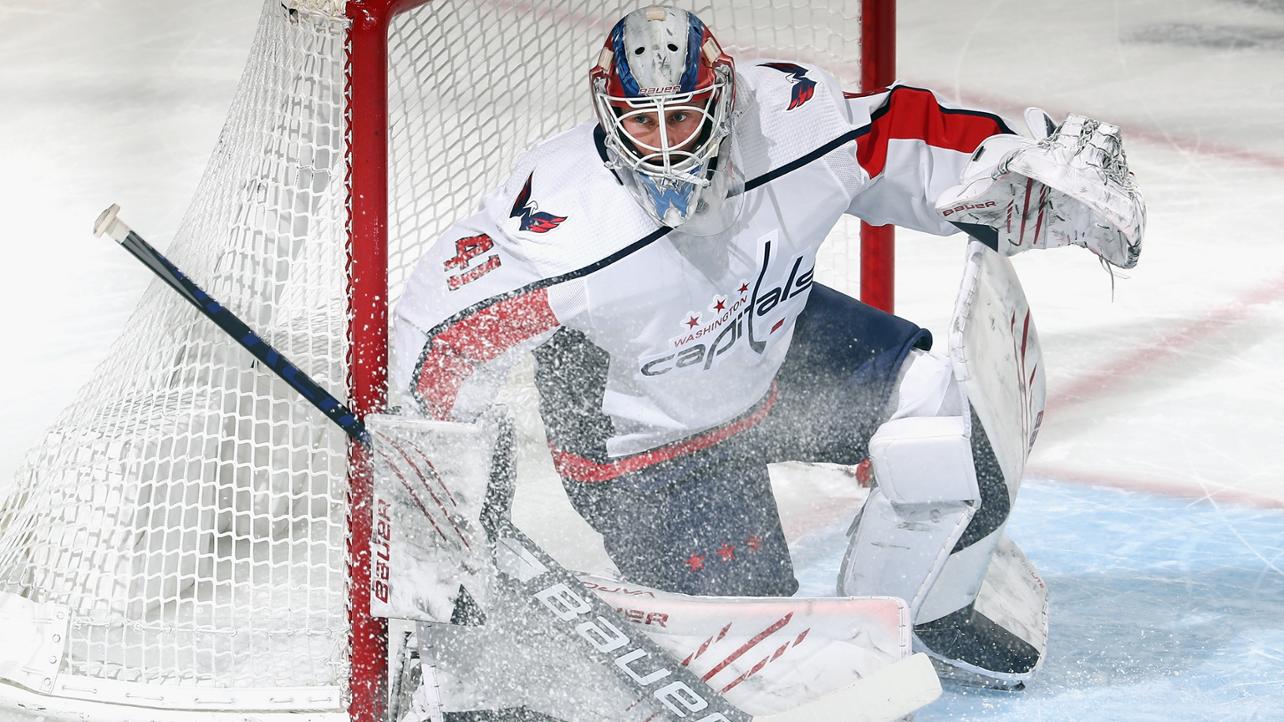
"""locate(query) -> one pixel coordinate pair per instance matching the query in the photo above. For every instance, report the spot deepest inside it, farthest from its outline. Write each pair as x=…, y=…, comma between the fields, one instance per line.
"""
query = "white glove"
x=1071, y=187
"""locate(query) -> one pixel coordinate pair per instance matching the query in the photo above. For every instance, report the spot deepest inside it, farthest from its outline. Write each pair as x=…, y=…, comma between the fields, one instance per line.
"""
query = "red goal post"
x=189, y=539
x=877, y=70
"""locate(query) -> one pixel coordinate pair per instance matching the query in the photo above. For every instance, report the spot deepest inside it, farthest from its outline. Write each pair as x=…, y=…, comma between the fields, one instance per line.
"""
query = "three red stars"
x=726, y=552
x=719, y=305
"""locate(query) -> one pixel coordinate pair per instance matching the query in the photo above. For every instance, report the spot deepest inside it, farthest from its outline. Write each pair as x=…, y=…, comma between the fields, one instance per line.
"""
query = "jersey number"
x=466, y=249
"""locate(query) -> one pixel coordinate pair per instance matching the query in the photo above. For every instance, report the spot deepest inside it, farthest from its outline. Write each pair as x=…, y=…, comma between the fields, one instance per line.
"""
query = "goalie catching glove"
x=1071, y=186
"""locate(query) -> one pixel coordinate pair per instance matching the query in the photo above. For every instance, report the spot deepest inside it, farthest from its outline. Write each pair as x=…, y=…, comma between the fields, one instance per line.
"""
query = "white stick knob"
x=108, y=223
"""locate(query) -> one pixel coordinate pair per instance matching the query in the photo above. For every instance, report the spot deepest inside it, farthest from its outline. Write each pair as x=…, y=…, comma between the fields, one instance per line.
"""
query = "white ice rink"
x=1154, y=503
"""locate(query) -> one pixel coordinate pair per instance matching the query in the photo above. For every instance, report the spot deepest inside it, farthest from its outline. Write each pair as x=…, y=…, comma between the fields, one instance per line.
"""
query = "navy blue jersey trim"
x=662, y=231
x=598, y=265
x=797, y=163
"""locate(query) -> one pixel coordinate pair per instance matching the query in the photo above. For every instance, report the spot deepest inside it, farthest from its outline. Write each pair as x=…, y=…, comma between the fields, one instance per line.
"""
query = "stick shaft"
x=240, y=332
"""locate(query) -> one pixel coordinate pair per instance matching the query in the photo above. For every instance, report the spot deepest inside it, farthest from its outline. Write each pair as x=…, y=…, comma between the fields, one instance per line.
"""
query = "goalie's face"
x=663, y=91
x=664, y=137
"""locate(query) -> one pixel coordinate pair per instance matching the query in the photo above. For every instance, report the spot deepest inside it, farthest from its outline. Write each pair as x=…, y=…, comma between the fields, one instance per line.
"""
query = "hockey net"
x=177, y=541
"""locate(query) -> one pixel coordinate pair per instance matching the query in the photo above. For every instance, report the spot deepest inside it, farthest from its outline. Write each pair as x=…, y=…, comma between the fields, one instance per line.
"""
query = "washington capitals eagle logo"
x=803, y=87
x=533, y=220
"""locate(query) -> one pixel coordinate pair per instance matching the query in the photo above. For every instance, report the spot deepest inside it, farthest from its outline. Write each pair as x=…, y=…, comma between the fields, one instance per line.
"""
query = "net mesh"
x=188, y=510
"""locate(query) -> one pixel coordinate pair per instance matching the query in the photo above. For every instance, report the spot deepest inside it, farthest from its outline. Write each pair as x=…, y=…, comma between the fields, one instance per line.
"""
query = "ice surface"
x=1167, y=589
x=1162, y=608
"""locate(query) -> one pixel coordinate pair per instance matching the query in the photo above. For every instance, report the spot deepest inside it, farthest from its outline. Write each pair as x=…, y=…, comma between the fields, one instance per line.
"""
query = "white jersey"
x=650, y=342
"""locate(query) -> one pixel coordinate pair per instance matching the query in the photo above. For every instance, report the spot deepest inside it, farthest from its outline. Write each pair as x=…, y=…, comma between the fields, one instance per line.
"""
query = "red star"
x=696, y=562
x=727, y=552
x=754, y=542
x=743, y=287
x=864, y=473
x=693, y=321
x=720, y=305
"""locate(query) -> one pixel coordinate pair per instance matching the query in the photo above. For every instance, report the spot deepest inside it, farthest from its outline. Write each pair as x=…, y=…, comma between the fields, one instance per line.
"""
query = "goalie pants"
x=707, y=522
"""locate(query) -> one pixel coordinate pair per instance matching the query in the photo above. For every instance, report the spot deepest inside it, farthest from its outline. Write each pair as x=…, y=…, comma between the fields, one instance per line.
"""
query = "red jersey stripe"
x=577, y=468
x=914, y=114
x=457, y=351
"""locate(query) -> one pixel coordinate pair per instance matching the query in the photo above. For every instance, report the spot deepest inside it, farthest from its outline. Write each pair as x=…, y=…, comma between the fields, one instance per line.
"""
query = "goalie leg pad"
x=994, y=637
x=924, y=460
x=1000, y=638
x=960, y=580
x=928, y=533
x=930, y=526
x=926, y=496
x=899, y=550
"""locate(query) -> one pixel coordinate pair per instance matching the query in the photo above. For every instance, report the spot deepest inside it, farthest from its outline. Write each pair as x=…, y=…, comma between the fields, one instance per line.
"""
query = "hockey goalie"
x=658, y=261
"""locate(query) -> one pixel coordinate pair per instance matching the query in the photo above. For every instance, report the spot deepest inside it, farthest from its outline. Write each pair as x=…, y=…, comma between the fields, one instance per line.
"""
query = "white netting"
x=188, y=510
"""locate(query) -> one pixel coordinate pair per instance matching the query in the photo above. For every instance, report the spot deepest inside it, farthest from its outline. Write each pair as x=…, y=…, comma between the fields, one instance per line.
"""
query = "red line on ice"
x=1131, y=128
x=1155, y=486
x=1124, y=368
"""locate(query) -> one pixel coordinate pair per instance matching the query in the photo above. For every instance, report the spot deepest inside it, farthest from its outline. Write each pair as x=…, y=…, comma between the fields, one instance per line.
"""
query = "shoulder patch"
x=804, y=88
x=531, y=218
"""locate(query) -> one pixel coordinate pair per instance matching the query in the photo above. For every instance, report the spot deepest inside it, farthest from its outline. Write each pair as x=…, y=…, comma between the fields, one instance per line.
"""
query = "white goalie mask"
x=663, y=91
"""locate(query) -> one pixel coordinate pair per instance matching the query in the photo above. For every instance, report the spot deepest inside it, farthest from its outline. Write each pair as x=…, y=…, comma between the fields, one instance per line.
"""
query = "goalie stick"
x=549, y=587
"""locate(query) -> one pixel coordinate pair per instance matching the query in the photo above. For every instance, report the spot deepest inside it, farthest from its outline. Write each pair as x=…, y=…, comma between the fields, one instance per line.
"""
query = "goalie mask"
x=663, y=92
